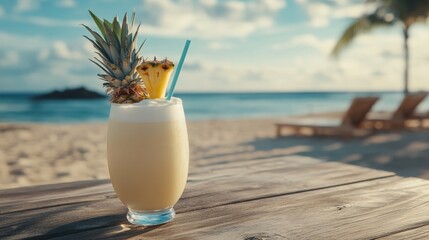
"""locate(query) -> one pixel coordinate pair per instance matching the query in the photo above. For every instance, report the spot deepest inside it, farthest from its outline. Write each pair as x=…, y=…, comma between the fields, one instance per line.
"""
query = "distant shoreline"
x=198, y=106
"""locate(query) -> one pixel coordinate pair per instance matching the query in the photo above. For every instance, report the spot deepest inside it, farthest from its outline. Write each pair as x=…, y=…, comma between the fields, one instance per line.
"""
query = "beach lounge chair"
x=351, y=120
x=396, y=120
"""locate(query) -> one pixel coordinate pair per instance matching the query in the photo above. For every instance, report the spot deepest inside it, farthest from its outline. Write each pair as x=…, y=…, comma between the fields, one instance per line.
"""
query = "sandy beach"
x=50, y=153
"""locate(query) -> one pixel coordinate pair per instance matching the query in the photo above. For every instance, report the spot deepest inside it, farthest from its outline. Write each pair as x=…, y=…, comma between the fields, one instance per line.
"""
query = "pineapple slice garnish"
x=155, y=75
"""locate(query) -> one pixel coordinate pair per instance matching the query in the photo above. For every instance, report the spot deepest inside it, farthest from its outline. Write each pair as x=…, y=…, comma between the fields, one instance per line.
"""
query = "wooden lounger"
x=396, y=120
x=351, y=120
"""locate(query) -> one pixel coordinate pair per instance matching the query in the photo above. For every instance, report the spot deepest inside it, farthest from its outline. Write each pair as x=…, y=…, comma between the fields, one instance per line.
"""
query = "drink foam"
x=148, y=110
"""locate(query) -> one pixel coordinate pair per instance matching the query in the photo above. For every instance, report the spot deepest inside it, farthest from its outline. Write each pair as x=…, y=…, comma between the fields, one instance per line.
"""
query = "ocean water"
x=16, y=107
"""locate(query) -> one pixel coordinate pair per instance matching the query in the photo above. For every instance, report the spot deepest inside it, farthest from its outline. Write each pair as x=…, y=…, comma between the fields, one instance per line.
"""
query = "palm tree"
x=387, y=13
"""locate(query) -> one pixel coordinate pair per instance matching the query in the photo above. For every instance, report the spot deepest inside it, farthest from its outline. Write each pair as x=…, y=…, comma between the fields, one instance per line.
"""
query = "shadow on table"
x=98, y=228
x=405, y=153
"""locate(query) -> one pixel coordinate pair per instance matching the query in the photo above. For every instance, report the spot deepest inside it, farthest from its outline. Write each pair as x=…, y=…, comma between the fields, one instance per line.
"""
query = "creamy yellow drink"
x=148, y=153
x=147, y=143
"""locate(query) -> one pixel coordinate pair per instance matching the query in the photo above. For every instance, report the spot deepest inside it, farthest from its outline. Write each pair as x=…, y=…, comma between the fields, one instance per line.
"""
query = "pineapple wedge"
x=155, y=75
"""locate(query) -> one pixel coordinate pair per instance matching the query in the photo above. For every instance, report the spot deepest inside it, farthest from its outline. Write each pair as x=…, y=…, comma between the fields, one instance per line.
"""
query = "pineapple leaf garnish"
x=124, y=29
x=108, y=24
x=118, y=58
x=113, y=40
x=98, y=22
x=116, y=27
x=133, y=17
x=101, y=45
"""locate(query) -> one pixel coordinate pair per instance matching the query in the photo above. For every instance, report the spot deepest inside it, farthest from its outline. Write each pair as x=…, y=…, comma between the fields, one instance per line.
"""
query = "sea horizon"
x=19, y=107
x=226, y=92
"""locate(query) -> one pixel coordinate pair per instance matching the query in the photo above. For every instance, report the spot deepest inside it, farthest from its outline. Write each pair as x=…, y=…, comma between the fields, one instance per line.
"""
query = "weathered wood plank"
x=266, y=182
x=287, y=169
x=62, y=219
x=66, y=193
x=364, y=210
x=412, y=234
x=85, y=194
x=18, y=195
x=214, y=186
x=26, y=194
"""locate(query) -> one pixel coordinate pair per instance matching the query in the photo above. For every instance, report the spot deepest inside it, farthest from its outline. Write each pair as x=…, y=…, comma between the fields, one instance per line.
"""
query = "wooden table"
x=277, y=198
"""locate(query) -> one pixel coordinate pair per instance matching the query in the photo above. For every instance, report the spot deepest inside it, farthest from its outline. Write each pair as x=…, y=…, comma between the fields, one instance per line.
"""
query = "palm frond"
x=411, y=11
x=407, y=11
x=361, y=25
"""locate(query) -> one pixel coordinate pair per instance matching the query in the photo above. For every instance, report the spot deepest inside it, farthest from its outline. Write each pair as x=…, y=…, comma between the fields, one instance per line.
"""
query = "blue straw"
x=179, y=68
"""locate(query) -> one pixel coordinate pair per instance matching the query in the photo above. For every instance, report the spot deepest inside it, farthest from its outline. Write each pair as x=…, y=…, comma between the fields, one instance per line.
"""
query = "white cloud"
x=217, y=45
x=319, y=14
x=32, y=5
x=63, y=51
x=290, y=76
x=209, y=18
x=21, y=42
x=372, y=62
x=66, y=3
x=41, y=48
x=43, y=54
x=49, y=22
x=10, y=58
x=350, y=11
x=209, y=3
x=322, y=12
x=40, y=63
x=307, y=41
x=26, y=5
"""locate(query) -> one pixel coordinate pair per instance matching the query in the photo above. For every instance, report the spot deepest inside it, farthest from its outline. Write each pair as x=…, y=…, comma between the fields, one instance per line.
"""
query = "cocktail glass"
x=148, y=158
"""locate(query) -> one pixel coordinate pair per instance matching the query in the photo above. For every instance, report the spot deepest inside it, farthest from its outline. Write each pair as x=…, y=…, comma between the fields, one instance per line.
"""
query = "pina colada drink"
x=147, y=142
x=148, y=154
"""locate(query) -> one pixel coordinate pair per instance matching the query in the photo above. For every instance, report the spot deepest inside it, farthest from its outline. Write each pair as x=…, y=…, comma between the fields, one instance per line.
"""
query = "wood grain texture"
x=221, y=192
x=364, y=210
x=242, y=180
x=81, y=193
x=417, y=233
x=22, y=194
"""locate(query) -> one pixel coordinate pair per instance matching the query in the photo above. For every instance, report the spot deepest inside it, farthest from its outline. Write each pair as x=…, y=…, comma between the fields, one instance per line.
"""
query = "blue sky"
x=249, y=45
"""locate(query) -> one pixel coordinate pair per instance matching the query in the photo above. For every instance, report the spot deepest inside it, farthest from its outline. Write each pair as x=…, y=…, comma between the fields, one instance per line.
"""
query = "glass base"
x=150, y=218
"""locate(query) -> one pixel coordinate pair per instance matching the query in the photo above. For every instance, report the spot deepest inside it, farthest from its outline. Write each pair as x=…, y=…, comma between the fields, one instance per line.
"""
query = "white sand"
x=48, y=153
